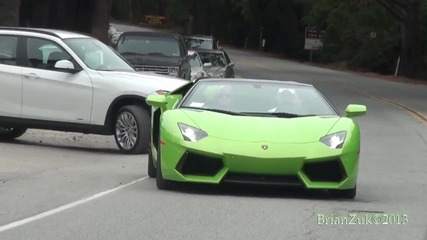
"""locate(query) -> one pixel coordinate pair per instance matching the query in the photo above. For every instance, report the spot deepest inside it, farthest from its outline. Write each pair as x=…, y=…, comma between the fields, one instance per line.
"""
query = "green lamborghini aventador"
x=253, y=131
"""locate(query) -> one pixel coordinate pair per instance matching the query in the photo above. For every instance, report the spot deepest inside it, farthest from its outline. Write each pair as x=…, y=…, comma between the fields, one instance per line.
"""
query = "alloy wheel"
x=126, y=130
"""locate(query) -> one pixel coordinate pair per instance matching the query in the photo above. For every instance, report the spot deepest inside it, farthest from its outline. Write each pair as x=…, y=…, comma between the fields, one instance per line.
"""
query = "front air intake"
x=242, y=178
x=327, y=171
x=197, y=164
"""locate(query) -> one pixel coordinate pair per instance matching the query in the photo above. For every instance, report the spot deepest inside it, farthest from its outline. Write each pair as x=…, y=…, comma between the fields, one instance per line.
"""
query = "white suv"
x=65, y=81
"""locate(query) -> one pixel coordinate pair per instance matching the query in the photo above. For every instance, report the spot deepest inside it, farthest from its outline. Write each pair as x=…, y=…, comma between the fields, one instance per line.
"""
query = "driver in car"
x=223, y=98
x=287, y=102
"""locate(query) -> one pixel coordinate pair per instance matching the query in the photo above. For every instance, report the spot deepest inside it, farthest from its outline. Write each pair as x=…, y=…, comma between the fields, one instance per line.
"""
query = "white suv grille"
x=156, y=69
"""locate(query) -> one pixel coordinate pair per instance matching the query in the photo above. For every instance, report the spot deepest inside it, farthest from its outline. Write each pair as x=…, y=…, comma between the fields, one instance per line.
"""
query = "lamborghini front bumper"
x=215, y=161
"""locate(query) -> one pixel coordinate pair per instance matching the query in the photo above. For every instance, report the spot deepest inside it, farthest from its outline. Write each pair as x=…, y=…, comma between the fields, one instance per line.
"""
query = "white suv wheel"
x=132, y=129
x=11, y=133
x=126, y=130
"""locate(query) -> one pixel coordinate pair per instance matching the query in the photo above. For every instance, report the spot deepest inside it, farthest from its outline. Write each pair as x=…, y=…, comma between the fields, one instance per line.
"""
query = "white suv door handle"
x=31, y=75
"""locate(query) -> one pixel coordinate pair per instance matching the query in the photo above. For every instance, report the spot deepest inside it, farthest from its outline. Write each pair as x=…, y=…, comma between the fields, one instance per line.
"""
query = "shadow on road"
x=62, y=147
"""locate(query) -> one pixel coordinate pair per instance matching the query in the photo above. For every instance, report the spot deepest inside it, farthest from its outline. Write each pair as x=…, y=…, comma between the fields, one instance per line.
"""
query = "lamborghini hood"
x=262, y=129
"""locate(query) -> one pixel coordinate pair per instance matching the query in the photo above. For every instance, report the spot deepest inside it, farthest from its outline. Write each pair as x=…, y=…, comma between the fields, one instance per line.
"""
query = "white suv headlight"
x=335, y=140
x=190, y=133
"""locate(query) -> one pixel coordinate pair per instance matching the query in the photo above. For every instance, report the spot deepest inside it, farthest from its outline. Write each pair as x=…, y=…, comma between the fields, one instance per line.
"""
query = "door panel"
x=10, y=91
x=11, y=79
x=51, y=94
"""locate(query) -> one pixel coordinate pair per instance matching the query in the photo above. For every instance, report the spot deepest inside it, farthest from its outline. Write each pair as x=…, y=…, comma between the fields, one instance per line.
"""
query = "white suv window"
x=42, y=53
x=97, y=55
x=8, y=50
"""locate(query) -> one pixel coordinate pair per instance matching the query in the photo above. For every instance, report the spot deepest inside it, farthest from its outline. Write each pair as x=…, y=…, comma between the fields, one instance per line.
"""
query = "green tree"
x=132, y=11
x=360, y=34
x=9, y=12
x=409, y=13
x=276, y=21
x=88, y=16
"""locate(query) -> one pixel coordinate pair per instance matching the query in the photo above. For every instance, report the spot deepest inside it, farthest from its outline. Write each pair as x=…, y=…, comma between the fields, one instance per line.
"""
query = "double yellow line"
x=252, y=64
x=417, y=115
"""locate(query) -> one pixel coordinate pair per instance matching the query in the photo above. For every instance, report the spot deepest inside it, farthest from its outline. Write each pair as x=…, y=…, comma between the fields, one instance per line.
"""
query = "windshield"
x=148, y=45
x=258, y=98
x=199, y=43
x=217, y=59
x=97, y=55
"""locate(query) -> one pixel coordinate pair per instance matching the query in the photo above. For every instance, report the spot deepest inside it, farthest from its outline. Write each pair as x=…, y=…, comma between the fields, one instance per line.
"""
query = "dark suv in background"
x=159, y=52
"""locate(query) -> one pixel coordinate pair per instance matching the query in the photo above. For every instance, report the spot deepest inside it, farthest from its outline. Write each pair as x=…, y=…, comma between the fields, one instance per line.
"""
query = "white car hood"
x=151, y=81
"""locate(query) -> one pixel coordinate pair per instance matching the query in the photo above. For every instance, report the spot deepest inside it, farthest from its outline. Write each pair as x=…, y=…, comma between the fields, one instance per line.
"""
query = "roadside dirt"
x=373, y=75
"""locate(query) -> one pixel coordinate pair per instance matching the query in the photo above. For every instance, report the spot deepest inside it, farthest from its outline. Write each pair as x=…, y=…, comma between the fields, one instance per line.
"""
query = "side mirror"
x=65, y=65
x=355, y=110
x=231, y=64
x=207, y=65
x=156, y=100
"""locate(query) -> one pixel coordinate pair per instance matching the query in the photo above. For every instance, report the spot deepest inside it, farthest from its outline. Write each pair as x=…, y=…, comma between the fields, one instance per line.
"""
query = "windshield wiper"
x=132, y=53
x=278, y=114
x=290, y=115
x=157, y=54
x=224, y=111
x=216, y=110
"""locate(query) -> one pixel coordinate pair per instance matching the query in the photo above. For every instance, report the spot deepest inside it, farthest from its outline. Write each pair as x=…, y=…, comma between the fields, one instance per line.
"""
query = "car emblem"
x=264, y=147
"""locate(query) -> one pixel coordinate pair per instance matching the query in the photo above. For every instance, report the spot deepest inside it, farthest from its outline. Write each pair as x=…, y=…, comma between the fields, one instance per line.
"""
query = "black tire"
x=11, y=133
x=347, y=193
x=151, y=167
x=143, y=125
x=161, y=183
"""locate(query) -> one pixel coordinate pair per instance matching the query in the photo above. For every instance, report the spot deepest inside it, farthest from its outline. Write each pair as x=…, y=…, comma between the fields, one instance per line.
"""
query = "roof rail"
x=34, y=30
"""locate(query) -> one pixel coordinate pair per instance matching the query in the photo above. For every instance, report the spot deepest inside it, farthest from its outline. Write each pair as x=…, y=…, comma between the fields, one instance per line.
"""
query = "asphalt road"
x=57, y=185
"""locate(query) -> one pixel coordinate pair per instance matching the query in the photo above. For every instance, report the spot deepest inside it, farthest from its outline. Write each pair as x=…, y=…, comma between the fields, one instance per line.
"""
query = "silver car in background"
x=216, y=63
x=197, y=69
x=113, y=34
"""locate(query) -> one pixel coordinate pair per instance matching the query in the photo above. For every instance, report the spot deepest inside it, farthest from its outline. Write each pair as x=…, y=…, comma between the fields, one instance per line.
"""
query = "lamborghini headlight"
x=190, y=133
x=335, y=140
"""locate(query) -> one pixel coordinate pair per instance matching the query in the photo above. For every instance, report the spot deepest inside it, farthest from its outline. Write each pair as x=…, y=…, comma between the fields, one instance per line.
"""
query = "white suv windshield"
x=97, y=55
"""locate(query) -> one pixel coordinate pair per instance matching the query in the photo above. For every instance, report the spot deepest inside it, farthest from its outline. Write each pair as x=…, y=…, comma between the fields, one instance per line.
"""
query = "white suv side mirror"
x=67, y=66
x=64, y=64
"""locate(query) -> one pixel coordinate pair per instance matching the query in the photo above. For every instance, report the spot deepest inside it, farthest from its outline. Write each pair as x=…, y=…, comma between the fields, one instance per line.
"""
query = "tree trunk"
x=411, y=43
x=409, y=14
x=88, y=16
x=101, y=19
x=9, y=12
